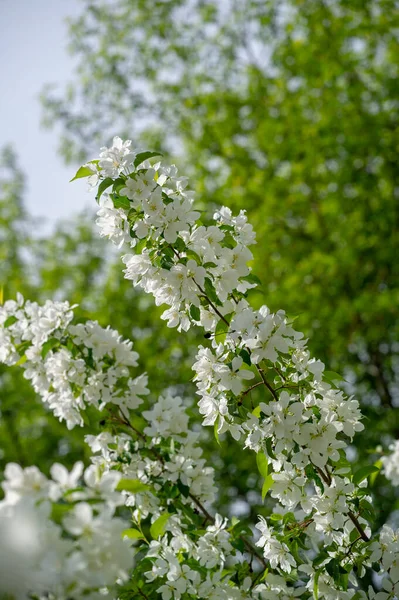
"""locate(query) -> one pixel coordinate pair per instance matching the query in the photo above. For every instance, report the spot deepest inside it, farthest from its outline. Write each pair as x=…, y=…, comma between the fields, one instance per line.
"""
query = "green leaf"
x=220, y=331
x=367, y=509
x=332, y=377
x=228, y=241
x=106, y=183
x=195, y=312
x=183, y=489
x=256, y=411
x=374, y=475
x=82, y=172
x=179, y=244
x=49, y=345
x=262, y=463
x=120, y=201
x=133, y=534
x=157, y=529
x=215, y=431
x=10, y=321
x=276, y=517
x=85, y=418
x=234, y=522
x=246, y=357
x=134, y=486
x=191, y=254
x=22, y=347
x=267, y=484
x=363, y=473
x=320, y=558
x=251, y=278
x=312, y=474
x=211, y=292
x=142, y=156
x=316, y=585
x=58, y=511
x=269, y=448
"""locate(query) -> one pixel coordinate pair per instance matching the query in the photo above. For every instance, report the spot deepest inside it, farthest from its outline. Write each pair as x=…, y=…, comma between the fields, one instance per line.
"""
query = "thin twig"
x=267, y=384
x=327, y=479
x=360, y=529
x=255, y=385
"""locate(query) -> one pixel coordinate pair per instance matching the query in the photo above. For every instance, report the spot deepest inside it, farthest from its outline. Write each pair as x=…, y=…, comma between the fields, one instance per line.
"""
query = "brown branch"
x=210, y=302
x=360, y=529
x=255, y=385
x=267, y=384
x=327, y=479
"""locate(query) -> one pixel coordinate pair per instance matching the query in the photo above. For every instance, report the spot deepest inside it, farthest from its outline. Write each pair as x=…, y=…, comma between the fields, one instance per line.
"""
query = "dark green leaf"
x=211, y=292
x=106, y=183
x=142, y=156
x=363, y=473
x=195, y=312
x=269, y=448
x=246, y=357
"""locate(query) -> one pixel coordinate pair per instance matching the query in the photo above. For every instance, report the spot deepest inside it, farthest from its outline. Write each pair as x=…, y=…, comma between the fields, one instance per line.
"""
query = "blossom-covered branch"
x=302, y=427
x=154, y=470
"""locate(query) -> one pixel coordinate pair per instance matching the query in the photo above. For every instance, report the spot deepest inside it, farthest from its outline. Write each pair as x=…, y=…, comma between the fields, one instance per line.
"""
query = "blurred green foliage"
x=286, y=109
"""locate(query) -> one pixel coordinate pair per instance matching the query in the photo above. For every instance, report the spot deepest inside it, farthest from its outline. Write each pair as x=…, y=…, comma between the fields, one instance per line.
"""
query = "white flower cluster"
x=159, y=473
x=60, y=538
x=385, y=551
x=316, y=542
x=70, y=366
x=304, y=423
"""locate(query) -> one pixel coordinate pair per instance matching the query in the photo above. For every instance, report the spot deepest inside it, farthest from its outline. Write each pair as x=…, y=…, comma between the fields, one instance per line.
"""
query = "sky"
x=33, y=48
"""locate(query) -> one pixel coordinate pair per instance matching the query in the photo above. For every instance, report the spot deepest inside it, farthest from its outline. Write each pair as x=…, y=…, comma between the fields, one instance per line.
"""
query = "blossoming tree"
x=142, y=521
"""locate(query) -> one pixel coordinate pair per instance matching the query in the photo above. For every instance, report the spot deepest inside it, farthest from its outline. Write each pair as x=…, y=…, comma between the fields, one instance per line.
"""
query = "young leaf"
x=132, y=485
x=132, y=534
x=10, y=321
x=82, y=172
x=157, y=529
x=267, y=484
x=316, y=585
x=221, y=330
x=215, y=430
x=262, y=463
x=363, y=473
x=256, y=411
